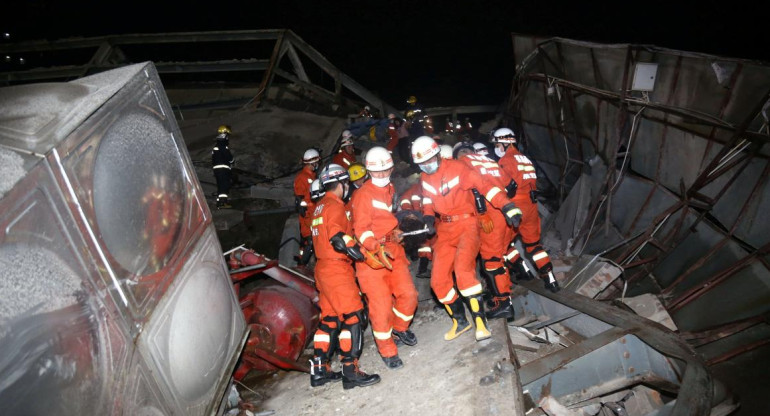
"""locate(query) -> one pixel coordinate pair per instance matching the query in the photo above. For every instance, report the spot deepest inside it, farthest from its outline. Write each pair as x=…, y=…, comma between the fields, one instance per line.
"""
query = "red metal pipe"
x=292, y=279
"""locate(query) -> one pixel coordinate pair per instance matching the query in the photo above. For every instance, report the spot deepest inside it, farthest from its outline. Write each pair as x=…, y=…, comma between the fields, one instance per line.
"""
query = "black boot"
x=550, y=282
x=460, y=324
x=352, y=376
x=422, y=269
x=520, y=270
x=479, y=317
x=321, y=372
x=407, y=337
x=500, y=307
x=393, y=362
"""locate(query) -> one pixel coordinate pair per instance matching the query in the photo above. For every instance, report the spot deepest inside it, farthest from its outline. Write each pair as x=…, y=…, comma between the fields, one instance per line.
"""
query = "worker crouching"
x=385, y=280
x=341, y=323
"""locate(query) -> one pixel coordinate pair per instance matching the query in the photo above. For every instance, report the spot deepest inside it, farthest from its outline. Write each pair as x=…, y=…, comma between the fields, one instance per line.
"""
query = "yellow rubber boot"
x=479, y=318
x=460, y=324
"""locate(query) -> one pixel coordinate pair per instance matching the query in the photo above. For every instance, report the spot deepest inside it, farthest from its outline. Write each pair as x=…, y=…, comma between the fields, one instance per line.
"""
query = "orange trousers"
x=391, y=298
x=338, y=295
x=493, y=248
x=455, y=250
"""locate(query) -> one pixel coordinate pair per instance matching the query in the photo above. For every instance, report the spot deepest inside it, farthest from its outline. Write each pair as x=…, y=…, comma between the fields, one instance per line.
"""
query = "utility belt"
x=454, y=218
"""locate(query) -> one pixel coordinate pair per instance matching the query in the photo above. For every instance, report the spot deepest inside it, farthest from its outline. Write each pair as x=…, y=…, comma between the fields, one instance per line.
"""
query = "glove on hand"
x=512, y=214
x=486, y=223
x=371, y=259
x=385, y=258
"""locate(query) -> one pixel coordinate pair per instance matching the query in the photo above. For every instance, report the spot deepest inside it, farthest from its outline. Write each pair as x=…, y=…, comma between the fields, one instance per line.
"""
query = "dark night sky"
x=445, y=53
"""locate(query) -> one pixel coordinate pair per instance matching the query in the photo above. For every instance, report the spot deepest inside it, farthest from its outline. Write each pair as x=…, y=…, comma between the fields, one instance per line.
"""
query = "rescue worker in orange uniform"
x=342, y=310
x=347, y=154
x=495, y=234
x=411, y=199
x=390, y=292
x=449, y=206
x=304, y=205
x=521, y=183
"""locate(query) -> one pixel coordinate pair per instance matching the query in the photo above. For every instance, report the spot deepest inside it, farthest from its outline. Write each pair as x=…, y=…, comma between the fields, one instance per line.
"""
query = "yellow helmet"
x=223, y=129
x=412, y=99
x=356, y=171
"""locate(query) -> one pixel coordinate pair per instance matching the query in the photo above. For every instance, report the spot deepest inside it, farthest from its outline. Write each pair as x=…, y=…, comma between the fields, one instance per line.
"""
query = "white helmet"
x=480, y=148
x=445, y=151
x=504, y=135
x=311, y=156
x=378, y=159
x=346, y=134
x=424, y=148
x=333, y=173
x=316, y=190
x=346, y=141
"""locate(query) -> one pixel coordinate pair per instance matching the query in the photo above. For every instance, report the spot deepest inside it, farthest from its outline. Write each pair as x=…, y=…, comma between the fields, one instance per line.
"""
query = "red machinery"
x=281, y=313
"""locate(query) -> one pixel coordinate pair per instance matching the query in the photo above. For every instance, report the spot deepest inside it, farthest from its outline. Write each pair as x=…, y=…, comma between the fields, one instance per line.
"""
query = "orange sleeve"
x=362, y=212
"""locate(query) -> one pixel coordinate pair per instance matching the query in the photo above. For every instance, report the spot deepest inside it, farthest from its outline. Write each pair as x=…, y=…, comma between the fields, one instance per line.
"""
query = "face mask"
x=380, y=182
x=429, y=167
x=499, y=152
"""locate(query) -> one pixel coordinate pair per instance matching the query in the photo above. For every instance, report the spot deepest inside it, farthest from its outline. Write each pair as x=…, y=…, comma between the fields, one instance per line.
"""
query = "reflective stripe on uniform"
x=317, y=221
x=489, y=165
x=451, y=184
x=381, y=205
x=429, y=188
x=345, y=334
x=492, y=192
x=448, y=296
x=321, y=338
x=473, y=290
x=402, y=316
x=426, y=201
x=303, y=204
x=511, y=255
x=383, y=335
x=347, y=239
x=221, y=167
x=540, y=255
x=526, y=168
x=365, y=235
x=424, y=250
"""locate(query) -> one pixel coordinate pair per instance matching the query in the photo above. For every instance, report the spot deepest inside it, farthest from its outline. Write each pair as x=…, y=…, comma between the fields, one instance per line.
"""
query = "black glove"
x=430, y=223
x=345, y=244
x=512, y=214
x=511, y=188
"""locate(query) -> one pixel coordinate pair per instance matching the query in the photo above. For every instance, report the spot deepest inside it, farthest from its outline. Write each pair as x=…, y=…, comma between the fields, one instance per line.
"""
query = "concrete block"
x=650, y=307
x=590, y=275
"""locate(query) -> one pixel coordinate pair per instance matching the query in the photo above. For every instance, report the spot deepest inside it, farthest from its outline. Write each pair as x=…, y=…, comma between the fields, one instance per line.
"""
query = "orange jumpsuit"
x=338, y=295
x=447, y=194
x=344, y=159
x=302, y=182
x=518, y=167
x=390, y=294
x=494, y=245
